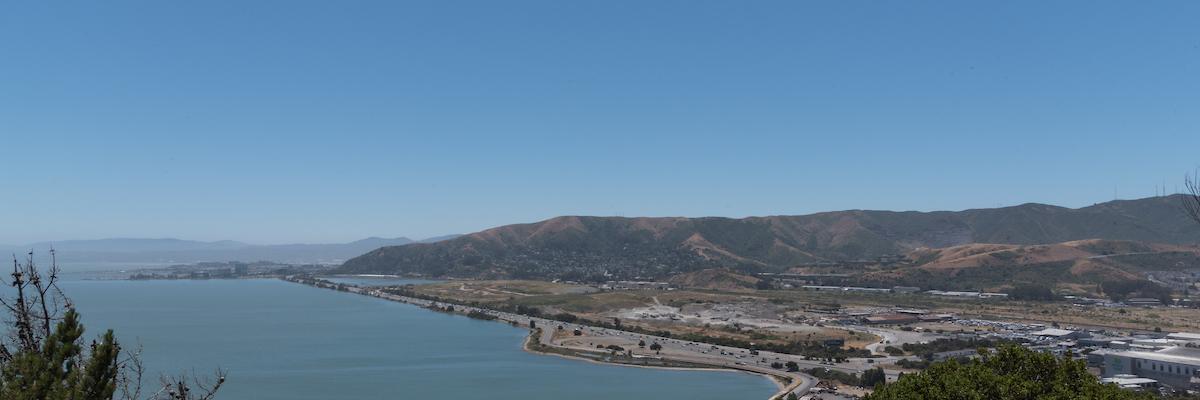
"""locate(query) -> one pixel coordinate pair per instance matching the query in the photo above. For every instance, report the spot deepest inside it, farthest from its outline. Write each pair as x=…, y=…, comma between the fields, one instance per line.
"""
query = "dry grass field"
x=589, y=303
x=796, y=312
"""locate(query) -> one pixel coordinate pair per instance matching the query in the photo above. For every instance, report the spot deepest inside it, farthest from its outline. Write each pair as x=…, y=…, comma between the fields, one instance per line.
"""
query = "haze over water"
x=286, y=341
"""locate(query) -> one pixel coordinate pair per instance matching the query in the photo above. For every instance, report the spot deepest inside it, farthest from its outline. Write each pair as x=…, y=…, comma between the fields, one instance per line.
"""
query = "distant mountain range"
x=187, y=251
x=578, y=247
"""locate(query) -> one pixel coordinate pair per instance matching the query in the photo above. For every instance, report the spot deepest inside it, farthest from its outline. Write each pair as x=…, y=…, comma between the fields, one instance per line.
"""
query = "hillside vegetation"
x=597, y=248
x=1078, y=266
x=715, y=278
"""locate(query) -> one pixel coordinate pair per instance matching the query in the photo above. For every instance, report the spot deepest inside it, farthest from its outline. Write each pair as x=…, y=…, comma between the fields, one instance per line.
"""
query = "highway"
x=672, y=349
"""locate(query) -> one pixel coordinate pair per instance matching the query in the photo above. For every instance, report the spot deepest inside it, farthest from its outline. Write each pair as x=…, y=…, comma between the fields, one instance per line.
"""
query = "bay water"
x=280, y=340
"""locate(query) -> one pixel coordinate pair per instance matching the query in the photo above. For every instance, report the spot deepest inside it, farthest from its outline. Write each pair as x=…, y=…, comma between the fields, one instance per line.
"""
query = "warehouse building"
x=1177, y=367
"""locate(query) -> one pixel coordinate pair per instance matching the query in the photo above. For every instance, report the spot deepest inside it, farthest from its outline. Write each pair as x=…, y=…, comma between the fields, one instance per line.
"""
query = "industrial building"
x=891, y=319
x=1177, y=367
x=1185, y=337
x=1131, y=382
x=1060, y=334
x=1143, y=302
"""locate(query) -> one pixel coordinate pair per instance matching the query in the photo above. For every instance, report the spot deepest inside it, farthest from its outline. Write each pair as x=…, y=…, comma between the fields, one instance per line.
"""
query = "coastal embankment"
x=600, y=345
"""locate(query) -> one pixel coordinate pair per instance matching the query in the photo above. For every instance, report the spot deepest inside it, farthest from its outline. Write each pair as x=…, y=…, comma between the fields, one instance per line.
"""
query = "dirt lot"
x=494, y=291
x=1127, y=318
x=742, y=315
x=788, y=315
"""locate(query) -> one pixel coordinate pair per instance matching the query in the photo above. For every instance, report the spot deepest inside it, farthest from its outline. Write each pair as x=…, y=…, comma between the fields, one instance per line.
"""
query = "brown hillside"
x=580, y=247
x=714, y=278
x=1079, y=265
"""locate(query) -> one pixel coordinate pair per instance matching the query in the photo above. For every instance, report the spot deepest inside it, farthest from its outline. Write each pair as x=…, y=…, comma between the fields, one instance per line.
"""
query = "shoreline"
x=780, y=384
x=784, y=383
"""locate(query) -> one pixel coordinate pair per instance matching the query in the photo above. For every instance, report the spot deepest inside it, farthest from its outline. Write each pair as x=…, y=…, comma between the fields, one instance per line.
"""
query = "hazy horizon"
x=418, y=239
x=218, y=240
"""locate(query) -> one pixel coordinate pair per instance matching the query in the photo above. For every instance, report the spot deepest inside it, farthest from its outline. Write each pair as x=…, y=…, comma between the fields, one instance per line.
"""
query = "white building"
x=1185, y=337
x=1177, y=367
x=1131, y=382
x=1060, y=334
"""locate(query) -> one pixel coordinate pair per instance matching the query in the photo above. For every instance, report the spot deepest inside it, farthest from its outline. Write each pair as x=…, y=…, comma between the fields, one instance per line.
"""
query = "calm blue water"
x=287, y=341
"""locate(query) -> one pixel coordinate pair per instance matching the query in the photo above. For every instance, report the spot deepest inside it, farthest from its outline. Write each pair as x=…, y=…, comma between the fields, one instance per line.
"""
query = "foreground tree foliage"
x=1191, y=199
x=46, y=357
x=60, y=370
x=1012, y=372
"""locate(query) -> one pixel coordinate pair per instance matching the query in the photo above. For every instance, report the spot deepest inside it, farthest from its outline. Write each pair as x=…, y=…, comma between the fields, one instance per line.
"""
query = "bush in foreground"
x=45, y=355
x=1013, y=372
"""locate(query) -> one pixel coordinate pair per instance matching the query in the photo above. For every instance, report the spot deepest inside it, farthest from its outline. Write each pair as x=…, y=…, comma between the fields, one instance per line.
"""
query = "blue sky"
x=319, y=121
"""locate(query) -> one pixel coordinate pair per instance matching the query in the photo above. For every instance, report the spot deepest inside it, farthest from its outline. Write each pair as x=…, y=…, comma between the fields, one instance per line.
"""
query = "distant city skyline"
x=313, y=122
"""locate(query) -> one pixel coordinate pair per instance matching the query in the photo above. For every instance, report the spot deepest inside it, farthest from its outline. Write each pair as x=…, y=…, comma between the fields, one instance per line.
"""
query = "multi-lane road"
x=672, y=349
